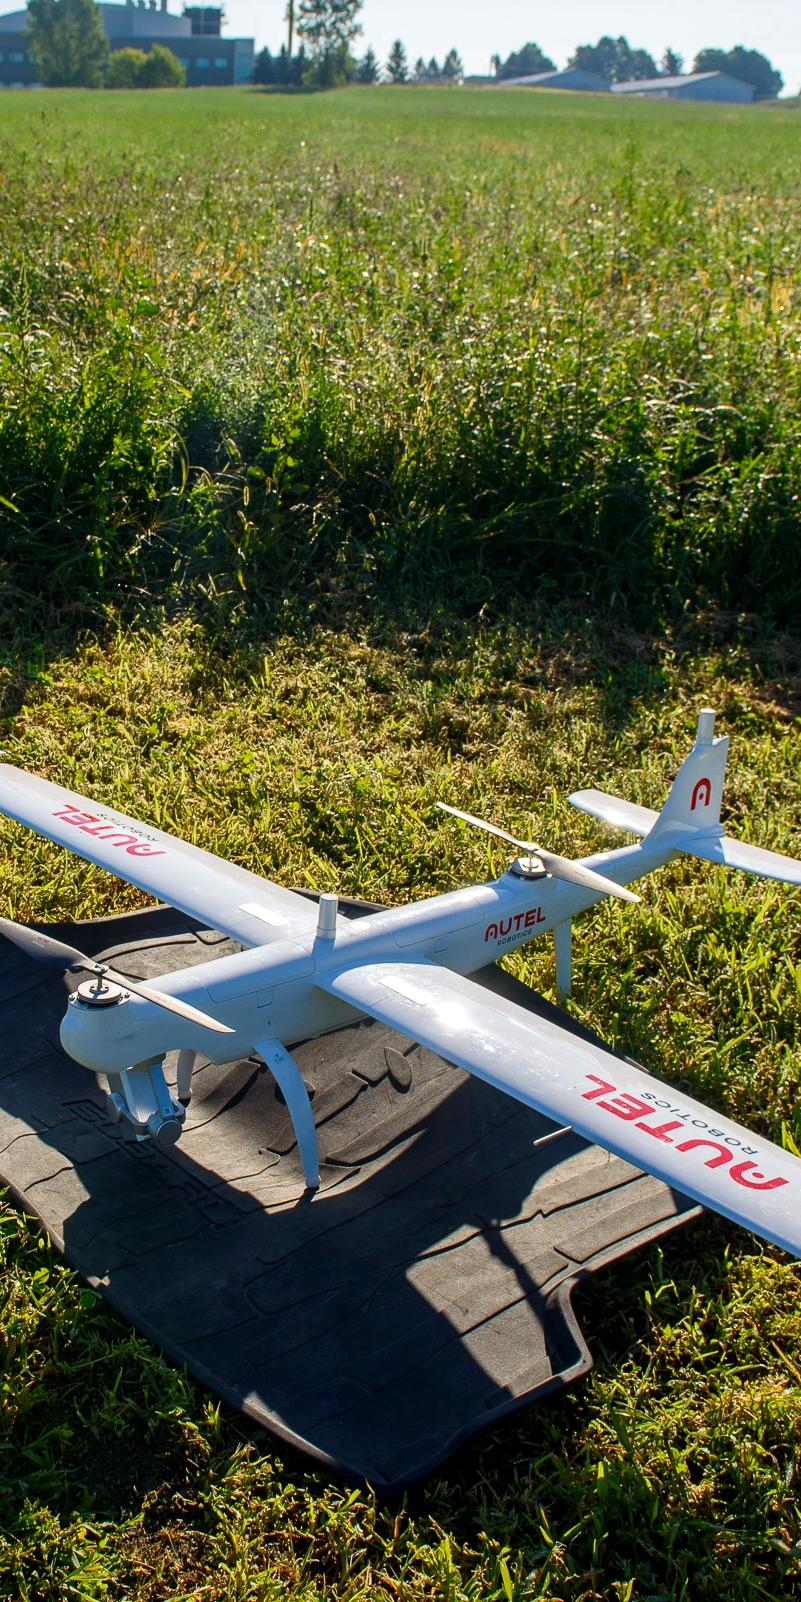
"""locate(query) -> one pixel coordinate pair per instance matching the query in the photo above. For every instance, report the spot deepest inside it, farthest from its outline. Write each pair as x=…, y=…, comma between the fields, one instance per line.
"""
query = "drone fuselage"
x=272, y=991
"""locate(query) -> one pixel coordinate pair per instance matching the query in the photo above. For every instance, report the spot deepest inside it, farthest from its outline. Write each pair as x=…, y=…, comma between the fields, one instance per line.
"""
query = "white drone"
x=308, y=971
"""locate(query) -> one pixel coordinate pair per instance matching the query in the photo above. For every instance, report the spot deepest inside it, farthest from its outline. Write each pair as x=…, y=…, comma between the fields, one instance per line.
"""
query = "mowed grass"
x=360, y=451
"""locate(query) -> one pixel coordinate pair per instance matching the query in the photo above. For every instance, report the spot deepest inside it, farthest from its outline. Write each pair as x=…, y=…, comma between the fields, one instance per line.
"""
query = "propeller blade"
x=56, y=954
x=558, y=867
x=170, y=1003
x=491, y=828
x=40, y=947
x=576, y=873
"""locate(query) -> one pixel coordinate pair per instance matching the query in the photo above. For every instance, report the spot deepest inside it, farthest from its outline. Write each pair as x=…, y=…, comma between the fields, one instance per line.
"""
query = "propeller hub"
x=100, y=992
x=528, y=868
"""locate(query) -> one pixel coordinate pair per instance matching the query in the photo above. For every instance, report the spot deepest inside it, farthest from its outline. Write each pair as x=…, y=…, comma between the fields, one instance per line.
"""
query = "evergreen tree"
x=264, y=68
x=420, y=70
x=368, y=70
x=453, y=66
x=433, y=68
x=282, y=70
x=671, y=65
x=67, y=42
x=397, y=64
x=327, y=28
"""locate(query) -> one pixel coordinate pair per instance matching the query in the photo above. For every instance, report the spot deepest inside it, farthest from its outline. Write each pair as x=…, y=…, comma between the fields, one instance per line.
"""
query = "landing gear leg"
x=288, y=1076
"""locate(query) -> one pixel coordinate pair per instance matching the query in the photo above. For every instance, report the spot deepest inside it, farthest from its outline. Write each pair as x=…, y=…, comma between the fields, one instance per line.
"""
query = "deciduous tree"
x=161, y=69
x=614, y=60
x=156, y=68
x=123, y=68
x=521, y=63
x=328, y=28
x=640, y=64
x=68, y=43
x=750, y=66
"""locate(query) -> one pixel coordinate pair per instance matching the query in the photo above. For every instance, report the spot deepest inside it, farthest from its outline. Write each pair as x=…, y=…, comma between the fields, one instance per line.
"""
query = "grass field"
x=358, y=450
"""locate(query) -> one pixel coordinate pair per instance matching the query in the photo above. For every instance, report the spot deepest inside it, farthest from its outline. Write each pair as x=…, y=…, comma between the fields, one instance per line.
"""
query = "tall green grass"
x=278, y=343
x=432, y=353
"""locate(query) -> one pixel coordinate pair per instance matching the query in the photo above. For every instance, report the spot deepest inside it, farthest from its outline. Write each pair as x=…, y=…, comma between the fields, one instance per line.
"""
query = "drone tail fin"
x=694, y=799
x=693, y=804
x=690, y=819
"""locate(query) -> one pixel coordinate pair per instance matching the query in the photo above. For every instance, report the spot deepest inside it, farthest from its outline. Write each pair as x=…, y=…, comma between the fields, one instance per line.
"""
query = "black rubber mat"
x=423, y=1292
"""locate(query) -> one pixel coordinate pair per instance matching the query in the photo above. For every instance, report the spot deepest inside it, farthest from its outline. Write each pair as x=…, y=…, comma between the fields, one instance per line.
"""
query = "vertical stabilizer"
x=693, y=804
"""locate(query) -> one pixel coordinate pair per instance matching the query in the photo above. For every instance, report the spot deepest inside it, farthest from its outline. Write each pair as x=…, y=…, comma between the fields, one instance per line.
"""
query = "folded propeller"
x=56, y=954
x=557, y=867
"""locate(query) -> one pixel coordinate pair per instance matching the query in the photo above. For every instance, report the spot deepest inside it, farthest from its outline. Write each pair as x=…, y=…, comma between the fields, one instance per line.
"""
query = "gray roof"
x=142, y=22
x=544, y=78
x=631, y=85
x=119, y=21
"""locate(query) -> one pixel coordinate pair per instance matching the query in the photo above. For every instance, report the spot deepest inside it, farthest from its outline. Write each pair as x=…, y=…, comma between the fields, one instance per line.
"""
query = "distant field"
x=359, y=450
x=270, y=337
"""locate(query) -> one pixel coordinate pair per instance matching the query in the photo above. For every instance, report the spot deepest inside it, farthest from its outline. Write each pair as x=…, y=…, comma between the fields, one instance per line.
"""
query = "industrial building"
x=692, y=86
x=195, y=38
x=567, y=78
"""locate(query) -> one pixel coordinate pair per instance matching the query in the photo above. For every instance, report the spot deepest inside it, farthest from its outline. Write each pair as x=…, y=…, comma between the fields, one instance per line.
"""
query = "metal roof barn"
x=691, y=86
x=568, y=78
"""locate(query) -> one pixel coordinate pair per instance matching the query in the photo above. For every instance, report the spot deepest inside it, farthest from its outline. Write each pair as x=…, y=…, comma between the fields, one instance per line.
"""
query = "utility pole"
x=290, y=17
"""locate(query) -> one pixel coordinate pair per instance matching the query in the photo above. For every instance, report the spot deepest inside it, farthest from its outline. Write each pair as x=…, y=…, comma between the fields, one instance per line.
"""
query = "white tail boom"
x=690, y=819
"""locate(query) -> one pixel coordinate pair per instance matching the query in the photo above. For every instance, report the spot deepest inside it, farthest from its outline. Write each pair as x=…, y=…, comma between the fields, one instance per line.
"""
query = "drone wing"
x=696, y=1151
x=251, y=910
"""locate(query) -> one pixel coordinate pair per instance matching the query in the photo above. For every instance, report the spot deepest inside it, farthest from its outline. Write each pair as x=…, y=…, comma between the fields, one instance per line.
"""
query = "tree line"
x=303, y=68
x=68, y=44
x=327, y=30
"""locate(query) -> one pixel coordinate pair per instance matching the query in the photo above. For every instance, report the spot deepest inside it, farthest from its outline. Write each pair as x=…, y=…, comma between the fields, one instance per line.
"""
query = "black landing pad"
x=423, y=1292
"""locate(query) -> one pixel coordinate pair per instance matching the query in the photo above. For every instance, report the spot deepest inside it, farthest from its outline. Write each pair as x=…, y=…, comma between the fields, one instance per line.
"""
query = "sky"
x=431, y=27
